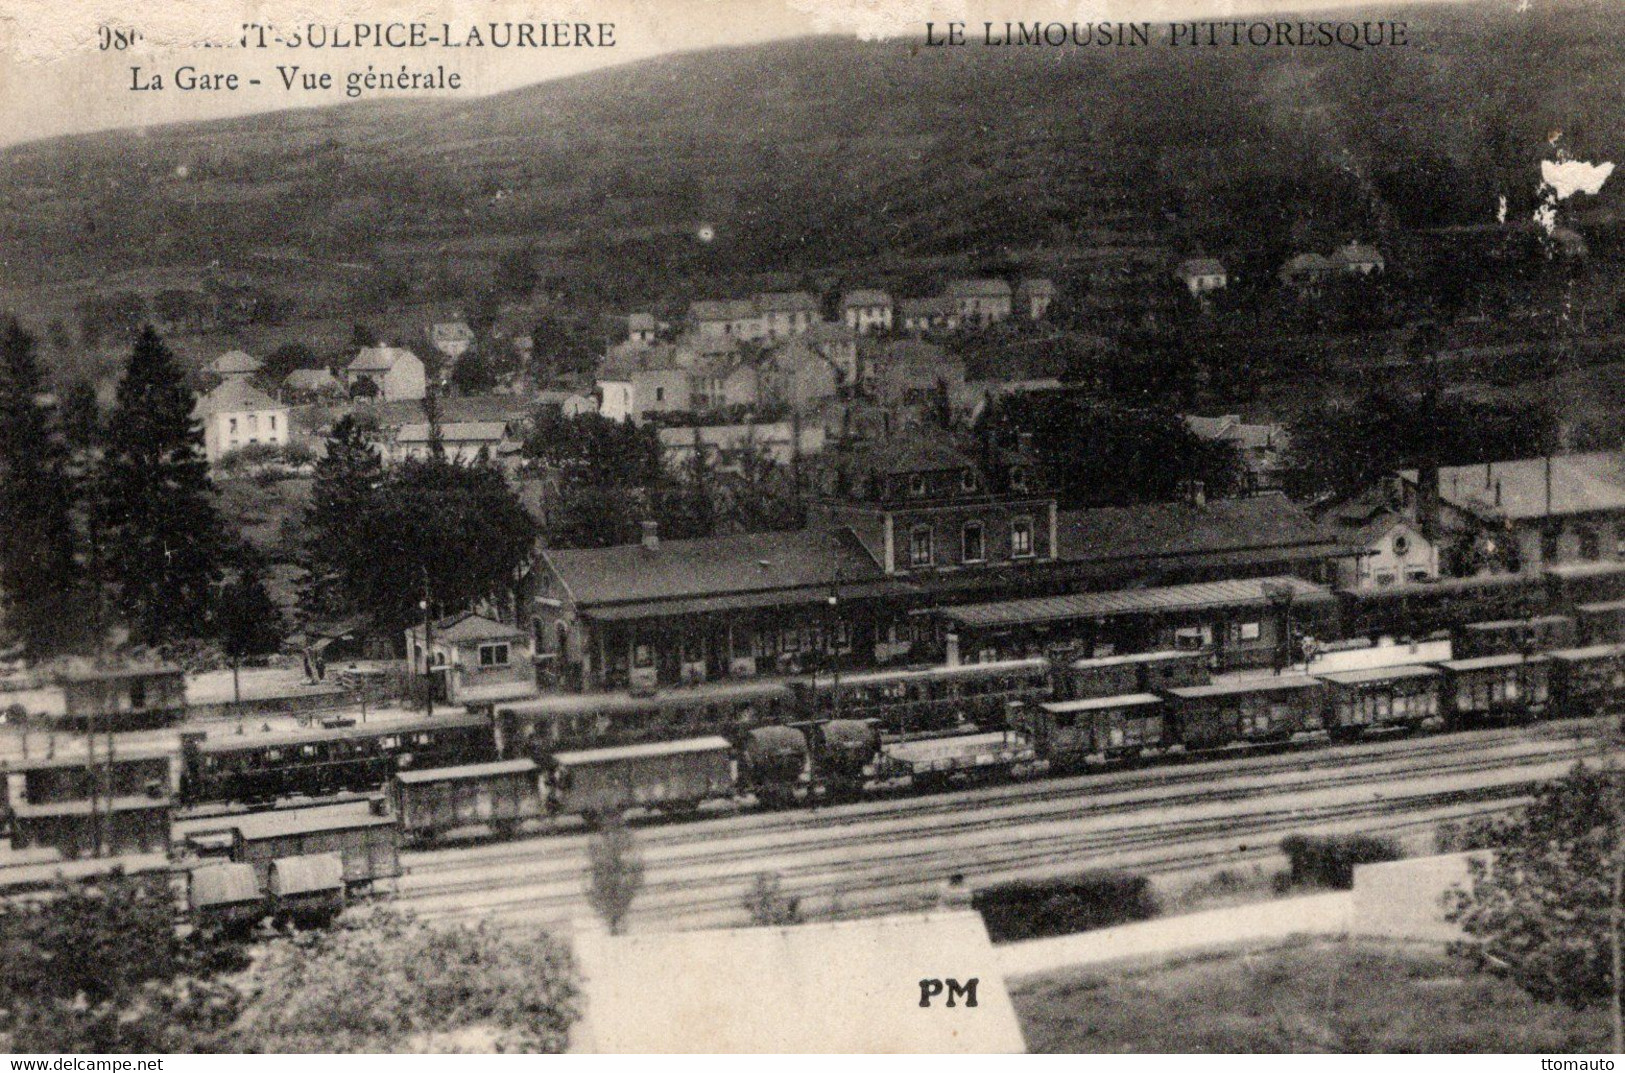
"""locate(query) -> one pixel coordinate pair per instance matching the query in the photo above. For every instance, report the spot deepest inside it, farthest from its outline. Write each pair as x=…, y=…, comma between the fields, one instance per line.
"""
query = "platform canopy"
x=1201, y=596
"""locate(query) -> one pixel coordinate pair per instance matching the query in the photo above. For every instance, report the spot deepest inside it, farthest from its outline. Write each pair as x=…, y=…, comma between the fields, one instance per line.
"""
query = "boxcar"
x=1588, y=681
x=935, y=760
x=572, y=722
x=1512, y=635
x=674, y=776
x=307, y=889
x=1600, y=623
x=1496, y=687
x=1143, y=672
x=1380, y=697
x=226, y=895
x=263, y=767
x=1267, y=710
x=500, y=795
x=923, y=700
x=367, y=843
x=1067, y=733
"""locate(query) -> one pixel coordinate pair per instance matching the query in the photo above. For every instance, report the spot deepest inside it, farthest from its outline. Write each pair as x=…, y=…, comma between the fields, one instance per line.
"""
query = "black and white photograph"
x=867, y=527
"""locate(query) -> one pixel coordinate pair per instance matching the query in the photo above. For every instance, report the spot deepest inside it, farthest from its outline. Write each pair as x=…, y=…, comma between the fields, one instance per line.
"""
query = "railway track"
x=896, y=860
x=1063, y=794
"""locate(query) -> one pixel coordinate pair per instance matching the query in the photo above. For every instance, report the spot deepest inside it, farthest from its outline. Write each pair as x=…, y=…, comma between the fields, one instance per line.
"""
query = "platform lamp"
x=1279, y=596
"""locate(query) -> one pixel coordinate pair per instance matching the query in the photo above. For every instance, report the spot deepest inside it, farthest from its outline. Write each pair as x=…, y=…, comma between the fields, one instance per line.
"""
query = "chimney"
x=651, y=535
x=1427, y=499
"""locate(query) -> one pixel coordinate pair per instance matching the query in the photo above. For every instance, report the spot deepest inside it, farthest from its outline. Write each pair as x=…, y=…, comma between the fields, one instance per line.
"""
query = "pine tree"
x=337, y=560
x=163, y=540
x=38, y=576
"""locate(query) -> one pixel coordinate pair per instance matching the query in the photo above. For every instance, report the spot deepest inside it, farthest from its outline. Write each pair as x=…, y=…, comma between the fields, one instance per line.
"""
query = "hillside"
x=829, y=157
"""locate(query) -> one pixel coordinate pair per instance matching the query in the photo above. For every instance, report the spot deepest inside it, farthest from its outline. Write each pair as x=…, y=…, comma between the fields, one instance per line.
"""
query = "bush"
x=1034, y=909
x=1329, y=860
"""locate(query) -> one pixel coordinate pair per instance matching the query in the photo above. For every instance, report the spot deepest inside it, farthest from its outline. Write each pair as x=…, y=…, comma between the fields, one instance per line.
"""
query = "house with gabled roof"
x=237, y=414
x=460, y=441
x=736, y=318
x=394, y=374
x=1358, y=258
x=786, y=313
x=980, y=301
x=923, y=315
x=866, y=311
x=1202, y=275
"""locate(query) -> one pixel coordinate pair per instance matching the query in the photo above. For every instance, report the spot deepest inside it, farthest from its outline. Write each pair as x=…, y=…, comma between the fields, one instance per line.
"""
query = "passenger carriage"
x=1588, y=681
x=1140, y=672
x=1509, y=686
x=264, y=767
x=1513, y=635
x=543, y=726
x=1264, y=710
x=1381, y=698
x=1600, y=623
x=911, y=701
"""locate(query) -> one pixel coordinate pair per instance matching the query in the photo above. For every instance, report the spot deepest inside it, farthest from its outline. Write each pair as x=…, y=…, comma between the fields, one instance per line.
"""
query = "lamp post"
x=1279, y=595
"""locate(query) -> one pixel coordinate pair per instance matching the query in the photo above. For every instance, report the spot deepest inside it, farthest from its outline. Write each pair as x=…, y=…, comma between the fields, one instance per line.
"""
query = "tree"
x=284, y=360
x=38, y=571
x=768, y=905
x=472, y=374
x=81, y=416
x=614, y=872
x=335, y=554
x=387, y=981
x=163, y=541
x=1544, y=911
x=248, y=622
x=516, y=272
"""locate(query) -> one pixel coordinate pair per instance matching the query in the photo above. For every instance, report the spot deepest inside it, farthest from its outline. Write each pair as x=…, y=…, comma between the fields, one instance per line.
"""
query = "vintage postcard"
x=860, y=526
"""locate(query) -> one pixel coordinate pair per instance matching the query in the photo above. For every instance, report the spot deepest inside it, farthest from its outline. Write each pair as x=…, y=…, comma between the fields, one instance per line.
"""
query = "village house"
x=804, y=371
x=1261, y=447
x=1560, y=514
x=1033, y=297
x=311, y=385
x=786, y=313
x=475, y=660
x=923, y=315
x=1358, y=258
x=233, y=365
x=1390, y=547
x=460, y=441
x=567, y=403
x=1306, y=271
x=634, y=382
x=640, y=329
x=721, y=380
x=237, y=414
x=866, y=311
x=912, y=372
x=726, y=447
x=736, y=318
x=980, y=301
x=451, y=338
x=1202, y=275
x=395, y=372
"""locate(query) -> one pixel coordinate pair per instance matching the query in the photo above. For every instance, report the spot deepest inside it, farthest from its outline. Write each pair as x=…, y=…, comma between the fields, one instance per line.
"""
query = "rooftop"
x=1248, y=592
x=234, y=362
x=787, y=302
x=468, y=771
x=470, y=627
x=727, y=309
x=1200, y=266
x=455, y=432
x=1518, y=489
x=1066, y=707
x=379, y=359
x=236, y=396
x=1179, y=529
x=978, y=288
x=653, y=748
x=854, y=299
x=713, y=566
x=286, y=823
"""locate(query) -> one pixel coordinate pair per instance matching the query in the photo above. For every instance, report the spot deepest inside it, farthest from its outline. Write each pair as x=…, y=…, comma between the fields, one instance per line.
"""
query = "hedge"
x=1034, y=909
x=1329, y=860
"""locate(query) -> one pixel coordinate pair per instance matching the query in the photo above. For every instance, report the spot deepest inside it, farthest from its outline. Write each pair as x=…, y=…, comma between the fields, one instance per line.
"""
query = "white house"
x=980, y=301
x=866, y=311
x=787, y=312
x=1392, y=549
x=236, y=414
x=1203, y=275
x=640, y=329
x=736, y=318
x=477, y=660
x=395, y=371
x=568, y=403
x=462, y=441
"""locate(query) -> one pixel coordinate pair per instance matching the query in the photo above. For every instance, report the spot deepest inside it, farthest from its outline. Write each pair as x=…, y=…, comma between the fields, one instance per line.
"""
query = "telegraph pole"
x=428, y=646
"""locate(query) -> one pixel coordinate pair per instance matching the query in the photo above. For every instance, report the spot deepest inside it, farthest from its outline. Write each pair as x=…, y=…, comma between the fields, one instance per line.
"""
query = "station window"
x=494, y=655
x=643, y=656
x=1021, y=538
x=1590, y=546
x=919, y=546
x=916, y=484
x=967, y=480
x=1018, y=479
x=971, y=543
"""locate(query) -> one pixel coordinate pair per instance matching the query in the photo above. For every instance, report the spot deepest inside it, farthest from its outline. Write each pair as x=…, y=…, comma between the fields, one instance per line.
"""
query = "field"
x=1343, y=995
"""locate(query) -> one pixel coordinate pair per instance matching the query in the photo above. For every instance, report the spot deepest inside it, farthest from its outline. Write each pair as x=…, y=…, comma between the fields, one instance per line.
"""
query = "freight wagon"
x=1588, y=681
x=1269, y=710
x=673, y=776
x=1380, y=698
x=933, y=762
x=500, y=796
x=1068, y=733
x=1513, y=635
x=368, y=844
x=926, y=700
x=1142, y=672
x=1496, y=687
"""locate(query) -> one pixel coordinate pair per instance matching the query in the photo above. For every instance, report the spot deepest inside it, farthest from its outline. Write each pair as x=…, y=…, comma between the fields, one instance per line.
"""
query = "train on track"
x=830, y=738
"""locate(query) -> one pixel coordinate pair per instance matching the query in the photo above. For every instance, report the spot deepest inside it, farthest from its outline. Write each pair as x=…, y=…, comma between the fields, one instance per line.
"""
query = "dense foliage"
x=161, y=540
x=38, y=572
x=1539, y=909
